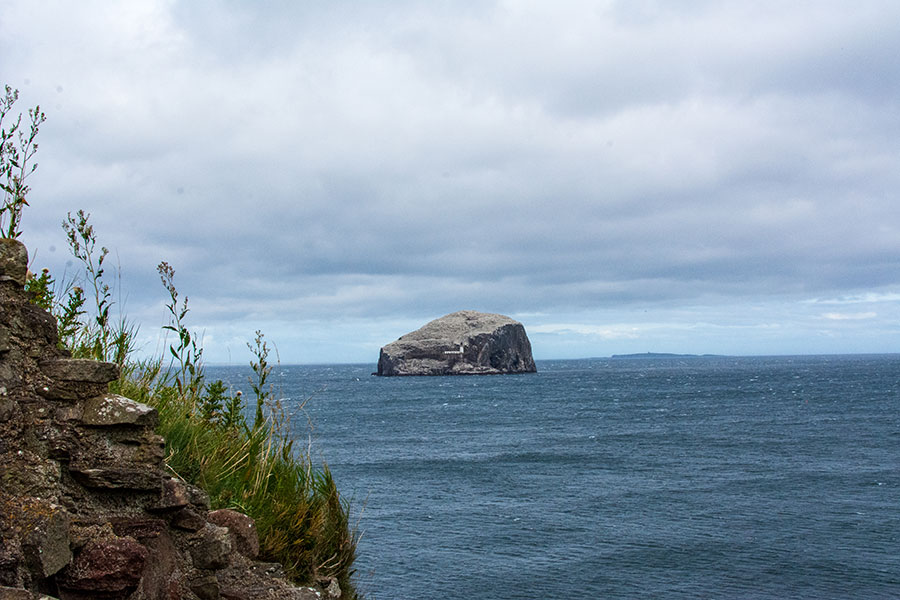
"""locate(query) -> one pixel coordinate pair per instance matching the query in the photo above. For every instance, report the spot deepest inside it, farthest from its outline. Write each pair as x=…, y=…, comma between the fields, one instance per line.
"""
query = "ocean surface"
x=712, y=477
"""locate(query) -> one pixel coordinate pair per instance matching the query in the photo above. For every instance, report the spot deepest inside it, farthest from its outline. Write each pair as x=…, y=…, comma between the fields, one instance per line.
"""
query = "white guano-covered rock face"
x=461, y=343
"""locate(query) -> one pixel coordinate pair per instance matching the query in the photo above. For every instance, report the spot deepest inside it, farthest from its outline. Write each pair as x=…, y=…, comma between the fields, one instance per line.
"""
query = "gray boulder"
x=461, y=343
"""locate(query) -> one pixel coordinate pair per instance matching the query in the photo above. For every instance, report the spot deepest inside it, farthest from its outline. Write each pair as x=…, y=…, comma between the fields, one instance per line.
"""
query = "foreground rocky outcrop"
x=87, y=510
x=461, y=343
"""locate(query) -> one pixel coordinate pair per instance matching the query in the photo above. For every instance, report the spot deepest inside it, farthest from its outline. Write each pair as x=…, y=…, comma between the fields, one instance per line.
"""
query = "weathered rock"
x=241, y=528
x=24, y=473
x=206, y=588
x=45, y=539
x=13, y=261
x=11, y=558
x=162, y=571
x=34, y=539
x=118, y=459
x=138, y=527
x=246, y=580
x=80, y=369
x=8, y=593
x=116, y=478
x=198, y=497
x=188, y=520
x=461, y=343
x=4, y=340
x=112, y=409
x=7, y=408
x=270, y=593
x=151, y=448
x=72, y=391
x=7, y=377
x=81, y=532
x=211, y=547
x=106, y=567
x=76, y=378
x=173, y=497
x=69, y=412
x=330, y=588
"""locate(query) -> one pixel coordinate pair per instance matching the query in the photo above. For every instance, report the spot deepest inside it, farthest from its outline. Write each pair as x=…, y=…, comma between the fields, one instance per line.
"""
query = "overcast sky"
x=704, y=177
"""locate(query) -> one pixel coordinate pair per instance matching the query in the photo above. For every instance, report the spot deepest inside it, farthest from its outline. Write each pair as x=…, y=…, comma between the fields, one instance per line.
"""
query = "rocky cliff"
x=461, y=343
x=87, y=509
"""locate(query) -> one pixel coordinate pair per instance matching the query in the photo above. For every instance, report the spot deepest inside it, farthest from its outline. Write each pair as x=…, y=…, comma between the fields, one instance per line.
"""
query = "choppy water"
x=618, y=478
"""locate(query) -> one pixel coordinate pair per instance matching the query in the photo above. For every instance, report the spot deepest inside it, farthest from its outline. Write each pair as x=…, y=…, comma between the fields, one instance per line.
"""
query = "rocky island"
x=461, y=343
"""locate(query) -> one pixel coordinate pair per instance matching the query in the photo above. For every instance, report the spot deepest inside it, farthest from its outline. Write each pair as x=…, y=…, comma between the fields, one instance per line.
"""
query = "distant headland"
x=664, y=355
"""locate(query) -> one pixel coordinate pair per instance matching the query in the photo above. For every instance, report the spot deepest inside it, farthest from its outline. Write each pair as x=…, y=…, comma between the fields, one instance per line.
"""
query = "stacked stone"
x=87, y=510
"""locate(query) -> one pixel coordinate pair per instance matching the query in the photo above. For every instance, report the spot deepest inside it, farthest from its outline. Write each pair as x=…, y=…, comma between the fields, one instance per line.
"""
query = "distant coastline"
x=664, y=355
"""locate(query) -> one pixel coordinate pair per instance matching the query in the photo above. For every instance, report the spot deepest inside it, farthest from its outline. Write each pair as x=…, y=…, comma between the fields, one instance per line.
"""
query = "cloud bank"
x=621, y=176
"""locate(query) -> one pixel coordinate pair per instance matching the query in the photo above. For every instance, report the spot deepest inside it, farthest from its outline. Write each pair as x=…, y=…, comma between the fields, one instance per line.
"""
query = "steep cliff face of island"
x=87, y=508
x=461, y=343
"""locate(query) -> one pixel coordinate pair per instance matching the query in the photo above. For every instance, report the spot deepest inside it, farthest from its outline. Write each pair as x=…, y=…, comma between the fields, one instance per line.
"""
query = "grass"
x=302, y=521
x=249, y=465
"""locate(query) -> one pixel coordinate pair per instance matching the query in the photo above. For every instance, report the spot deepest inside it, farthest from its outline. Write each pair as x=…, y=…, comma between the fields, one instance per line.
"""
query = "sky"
x=634, y=176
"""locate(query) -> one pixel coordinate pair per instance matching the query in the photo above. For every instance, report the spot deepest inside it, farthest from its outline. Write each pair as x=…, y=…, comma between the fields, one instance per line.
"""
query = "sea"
x=659, y=477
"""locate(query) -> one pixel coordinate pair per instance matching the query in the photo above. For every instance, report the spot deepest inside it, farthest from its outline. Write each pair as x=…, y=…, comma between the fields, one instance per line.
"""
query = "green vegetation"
x=98, y=337
x=249, y=465
x=17, y=149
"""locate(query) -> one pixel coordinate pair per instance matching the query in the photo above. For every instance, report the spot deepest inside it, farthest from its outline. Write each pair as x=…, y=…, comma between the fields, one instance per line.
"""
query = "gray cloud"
x=577, y=163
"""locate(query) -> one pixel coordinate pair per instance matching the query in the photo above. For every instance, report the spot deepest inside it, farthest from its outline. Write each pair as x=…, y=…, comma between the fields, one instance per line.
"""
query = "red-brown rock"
x=241, y=530
x=107, y=568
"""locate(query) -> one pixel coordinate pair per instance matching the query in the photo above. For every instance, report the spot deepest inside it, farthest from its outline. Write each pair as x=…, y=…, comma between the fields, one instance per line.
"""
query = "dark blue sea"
x=712, y=477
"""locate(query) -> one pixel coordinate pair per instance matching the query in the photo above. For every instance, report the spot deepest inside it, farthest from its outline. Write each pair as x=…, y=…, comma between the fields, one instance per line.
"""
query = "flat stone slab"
x=80, y=369
x=113, y=409
x=118, y=478
x=139, y=528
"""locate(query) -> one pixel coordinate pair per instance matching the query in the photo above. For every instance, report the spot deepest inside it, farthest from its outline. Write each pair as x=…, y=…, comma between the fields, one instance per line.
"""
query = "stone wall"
x=87, y=509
